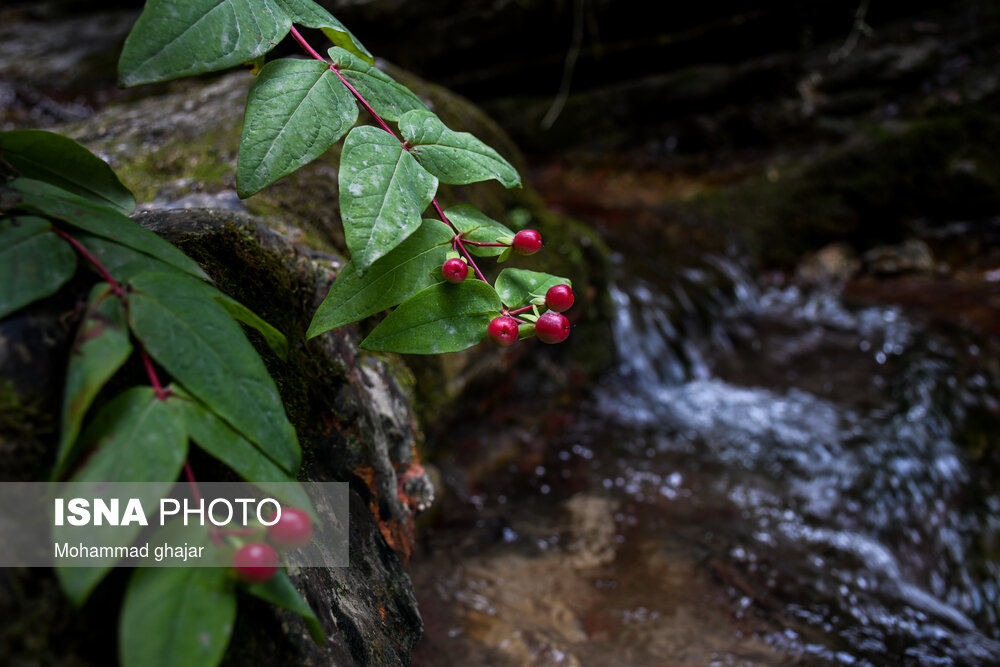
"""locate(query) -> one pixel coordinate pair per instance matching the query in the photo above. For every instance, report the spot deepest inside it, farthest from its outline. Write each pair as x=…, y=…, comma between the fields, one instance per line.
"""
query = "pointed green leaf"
x=134, y=438
x=477, y=227
x=312, y=15
x=389, y=98
x=176, y=617
x=296, y=110
x=517, y=287
x=101, y=221
x=121, y=261
x=200, y=345
x=274, y=338
x=400, y=274
x=280, y=590
x=454, y=157
x=53, y=158
x=34, y=262
x=101, y=347
x=175, y=38
x=383, y=191
x=441, y=318
x=218, y=439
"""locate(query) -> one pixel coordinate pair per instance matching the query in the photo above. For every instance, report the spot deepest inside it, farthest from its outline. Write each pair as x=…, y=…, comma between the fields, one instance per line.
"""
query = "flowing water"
x=769, y=476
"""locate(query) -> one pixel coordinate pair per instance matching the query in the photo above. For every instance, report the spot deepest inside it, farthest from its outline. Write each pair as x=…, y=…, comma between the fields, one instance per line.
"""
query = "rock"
x=910, y=256
x=353, y=416
x=592, y=526
x=830, y=265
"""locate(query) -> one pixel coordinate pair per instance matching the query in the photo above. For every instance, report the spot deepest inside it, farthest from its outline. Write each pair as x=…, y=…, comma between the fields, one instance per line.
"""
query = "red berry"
x=559, y=298
x=552, y=327
x=455, y=270
x=293, y=530
x=256, y=562
x=503, y=330
x=527, y=242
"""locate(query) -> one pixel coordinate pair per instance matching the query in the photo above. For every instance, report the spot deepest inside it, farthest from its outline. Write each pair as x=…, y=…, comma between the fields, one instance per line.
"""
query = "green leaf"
x=477, y=227
x=53, y=158
x=121, y=261
x=517, y=287
x=34, y=262
x=274, y=338
x=400, y=274
x=100, y=221
x=101, y=347
x=441, y=318
x=176, y=617
x=175, y=38
x=296, y=110
x=312, y=15
x=199, y=344
x=219, y=439
x=389, y=98
x=456, y=158
x=280, y=590
x=134, y=438
x=383, y=191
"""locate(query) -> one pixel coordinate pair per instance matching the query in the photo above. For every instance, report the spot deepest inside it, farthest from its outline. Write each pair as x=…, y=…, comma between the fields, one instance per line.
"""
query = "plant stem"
x=458, y=241
x=482, y=244
x=520, y=310
x=158, y=389
x=406, y=146
x=196, y=492
x=333, y=68
x=189, y=473
x=116, y=288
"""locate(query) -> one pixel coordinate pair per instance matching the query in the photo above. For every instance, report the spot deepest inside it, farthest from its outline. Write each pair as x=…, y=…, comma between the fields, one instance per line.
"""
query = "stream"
x=769, y=476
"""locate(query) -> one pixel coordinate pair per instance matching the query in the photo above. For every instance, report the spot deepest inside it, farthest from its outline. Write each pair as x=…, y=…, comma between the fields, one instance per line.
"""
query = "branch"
x=406, y=146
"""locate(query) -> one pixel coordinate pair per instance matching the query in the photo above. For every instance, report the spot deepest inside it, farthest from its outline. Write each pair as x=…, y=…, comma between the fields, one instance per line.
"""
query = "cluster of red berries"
x=258, y=561
x=551, y=326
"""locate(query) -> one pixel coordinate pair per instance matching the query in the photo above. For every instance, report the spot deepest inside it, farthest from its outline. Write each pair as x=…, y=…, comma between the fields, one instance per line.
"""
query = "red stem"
x=482, y=244
x=158, y=389
x=333, y=68
x=520, y=310
x=116, y=288
x=189, y=474
x=406, y=146
x=305, y=45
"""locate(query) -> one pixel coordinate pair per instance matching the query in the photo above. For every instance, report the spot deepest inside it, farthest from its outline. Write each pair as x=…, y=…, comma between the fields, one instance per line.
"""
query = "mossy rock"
x=349, y=410
x=938, y=168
